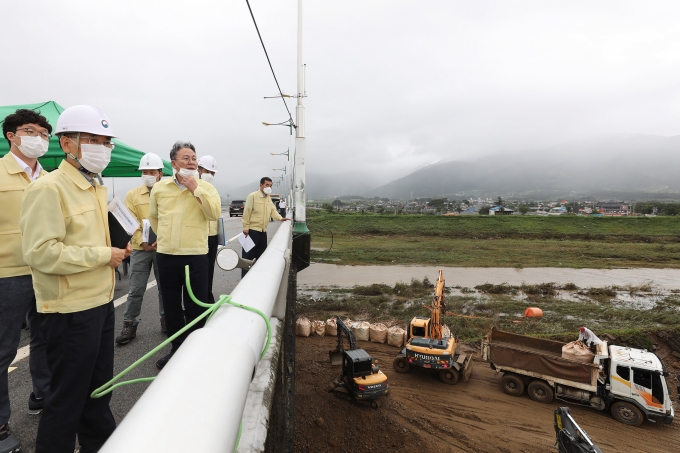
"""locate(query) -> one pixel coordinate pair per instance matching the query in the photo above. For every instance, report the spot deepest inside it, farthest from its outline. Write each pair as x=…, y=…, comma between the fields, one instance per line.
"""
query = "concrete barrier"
x=197, y=402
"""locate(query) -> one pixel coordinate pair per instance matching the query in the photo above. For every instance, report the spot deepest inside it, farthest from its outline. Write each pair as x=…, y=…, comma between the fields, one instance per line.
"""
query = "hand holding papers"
x=246, y=242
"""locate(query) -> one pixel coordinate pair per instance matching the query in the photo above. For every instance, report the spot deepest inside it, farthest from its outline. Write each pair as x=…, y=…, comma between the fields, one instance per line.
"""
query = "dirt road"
x=422, y=414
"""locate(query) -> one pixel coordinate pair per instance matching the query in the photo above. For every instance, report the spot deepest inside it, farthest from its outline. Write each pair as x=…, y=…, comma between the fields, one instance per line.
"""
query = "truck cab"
x=637, y=376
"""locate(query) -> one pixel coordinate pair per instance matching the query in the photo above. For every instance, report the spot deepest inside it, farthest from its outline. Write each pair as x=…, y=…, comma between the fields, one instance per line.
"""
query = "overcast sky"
x=392, y=85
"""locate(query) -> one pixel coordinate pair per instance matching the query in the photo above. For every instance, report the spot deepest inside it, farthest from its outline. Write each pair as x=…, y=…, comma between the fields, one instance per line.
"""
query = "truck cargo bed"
x=536, y=355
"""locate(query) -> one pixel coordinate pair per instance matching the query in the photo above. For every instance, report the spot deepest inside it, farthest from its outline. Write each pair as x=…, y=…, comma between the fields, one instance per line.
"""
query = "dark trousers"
x=80, y=357
x=282, y=211
x=179, y=308
x=212, y=256
x=16, y=300
x=260, y=240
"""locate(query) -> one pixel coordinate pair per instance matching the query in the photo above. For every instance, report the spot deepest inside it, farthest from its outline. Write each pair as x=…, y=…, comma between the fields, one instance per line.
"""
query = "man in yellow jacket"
x=66, y=242
x=180, y=211
x=28, y=135
x=259, y=208
x=143, y=257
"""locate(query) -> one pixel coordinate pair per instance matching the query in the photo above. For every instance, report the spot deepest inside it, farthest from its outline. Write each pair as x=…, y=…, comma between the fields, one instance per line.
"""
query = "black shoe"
x=127, y=334
x=35, y=405
x=8, y=442
x=163, y=361
x=163, y=328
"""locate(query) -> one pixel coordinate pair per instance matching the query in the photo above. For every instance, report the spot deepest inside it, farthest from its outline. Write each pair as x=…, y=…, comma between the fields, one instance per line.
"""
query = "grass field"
x=503, y=241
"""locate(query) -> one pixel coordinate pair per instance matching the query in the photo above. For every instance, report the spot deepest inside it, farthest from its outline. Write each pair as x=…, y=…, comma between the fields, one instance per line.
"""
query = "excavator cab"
x=361, y=378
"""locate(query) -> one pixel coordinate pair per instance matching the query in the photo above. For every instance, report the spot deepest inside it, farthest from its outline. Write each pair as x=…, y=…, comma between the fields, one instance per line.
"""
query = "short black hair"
x=266, y=178
x=21, y=117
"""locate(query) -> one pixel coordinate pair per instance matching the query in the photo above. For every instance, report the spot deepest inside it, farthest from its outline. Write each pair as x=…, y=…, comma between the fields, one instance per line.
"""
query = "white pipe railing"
x=196, y=403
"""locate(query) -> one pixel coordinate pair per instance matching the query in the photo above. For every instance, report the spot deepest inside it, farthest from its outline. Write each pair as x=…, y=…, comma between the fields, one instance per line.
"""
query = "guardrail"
x=197, y=402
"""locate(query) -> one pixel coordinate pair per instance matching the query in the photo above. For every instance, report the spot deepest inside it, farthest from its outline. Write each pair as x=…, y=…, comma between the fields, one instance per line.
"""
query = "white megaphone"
x=228, y=259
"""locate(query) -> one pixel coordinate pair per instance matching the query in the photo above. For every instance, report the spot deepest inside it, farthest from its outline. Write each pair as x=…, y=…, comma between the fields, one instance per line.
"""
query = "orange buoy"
x=533, y=312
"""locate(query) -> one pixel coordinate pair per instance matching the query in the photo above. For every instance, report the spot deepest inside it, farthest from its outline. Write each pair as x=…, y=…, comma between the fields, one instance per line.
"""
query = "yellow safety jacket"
x=66, y=241
x=13, y=182
x=181, y=223
x=259, y=208
x=137, y=201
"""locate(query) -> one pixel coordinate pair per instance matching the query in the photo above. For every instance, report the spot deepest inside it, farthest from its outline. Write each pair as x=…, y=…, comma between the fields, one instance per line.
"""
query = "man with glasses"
x=28, y=135
x=66, y=243
x=180, y=211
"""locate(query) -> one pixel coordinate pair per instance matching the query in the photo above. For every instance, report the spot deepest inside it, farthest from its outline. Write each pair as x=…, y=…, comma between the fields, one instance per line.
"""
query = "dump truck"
x=628, y=382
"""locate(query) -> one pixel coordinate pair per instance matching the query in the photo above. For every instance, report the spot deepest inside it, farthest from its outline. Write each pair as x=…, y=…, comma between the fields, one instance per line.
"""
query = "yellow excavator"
x=427, y=347
x=361, y=379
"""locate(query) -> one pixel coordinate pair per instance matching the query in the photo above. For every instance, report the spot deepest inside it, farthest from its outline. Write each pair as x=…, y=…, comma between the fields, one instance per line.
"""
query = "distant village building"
x=559, y=210
x=500, y=210
x=615, y=208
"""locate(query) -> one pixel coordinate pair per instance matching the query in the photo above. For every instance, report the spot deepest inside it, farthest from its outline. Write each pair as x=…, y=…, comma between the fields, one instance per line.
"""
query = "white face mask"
x=95, y=157
x=207, y=177
x=267, y=190
x=149, y=180
x=184, y=172
x=32, y=147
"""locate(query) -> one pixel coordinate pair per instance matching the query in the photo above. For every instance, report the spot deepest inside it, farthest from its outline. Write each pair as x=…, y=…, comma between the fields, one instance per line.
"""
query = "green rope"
x=211, y=309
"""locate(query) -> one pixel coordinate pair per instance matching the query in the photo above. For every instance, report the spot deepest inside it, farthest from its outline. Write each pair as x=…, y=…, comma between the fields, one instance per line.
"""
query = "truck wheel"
x=401, y=365
x=627, y=413
x=540, y=391
x=512, y=385
x=449, y=376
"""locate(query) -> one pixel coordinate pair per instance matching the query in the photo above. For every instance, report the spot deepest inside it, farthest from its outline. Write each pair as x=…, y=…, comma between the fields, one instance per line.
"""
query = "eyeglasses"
x=31, y=133
x=188, y=159
x=95, y=141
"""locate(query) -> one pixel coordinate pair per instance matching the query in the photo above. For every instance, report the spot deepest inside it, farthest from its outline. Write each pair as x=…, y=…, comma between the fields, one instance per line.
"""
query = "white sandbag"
x=319, y=328
x=378, y=333
x=446, y=332
x=303, y=327
x=361, y=330
x=331, y=327
x=349, y=323
x=577, y=351
x=395, y=336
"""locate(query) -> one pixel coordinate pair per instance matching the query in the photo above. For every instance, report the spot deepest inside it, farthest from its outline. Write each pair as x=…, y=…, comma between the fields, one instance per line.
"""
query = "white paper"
x=126, y=219
x=246, y=242
x=146, y=227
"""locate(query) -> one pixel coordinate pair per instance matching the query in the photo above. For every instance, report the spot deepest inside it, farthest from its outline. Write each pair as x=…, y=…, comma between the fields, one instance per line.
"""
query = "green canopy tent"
x=124, y=159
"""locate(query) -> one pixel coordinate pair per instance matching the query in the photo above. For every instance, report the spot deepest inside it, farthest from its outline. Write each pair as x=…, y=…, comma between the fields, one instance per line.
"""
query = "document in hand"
x=122, y=223
x=148, y=234
x=246, y=242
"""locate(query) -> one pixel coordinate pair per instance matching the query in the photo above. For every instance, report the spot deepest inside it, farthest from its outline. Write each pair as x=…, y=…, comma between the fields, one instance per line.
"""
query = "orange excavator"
x=428, y=348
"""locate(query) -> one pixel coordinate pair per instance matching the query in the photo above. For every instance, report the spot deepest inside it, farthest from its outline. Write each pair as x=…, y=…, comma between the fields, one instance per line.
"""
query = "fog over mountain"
x=619, y=166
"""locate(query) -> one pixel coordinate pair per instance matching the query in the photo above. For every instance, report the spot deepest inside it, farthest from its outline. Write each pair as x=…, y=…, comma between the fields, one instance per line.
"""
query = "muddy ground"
x=422, y=414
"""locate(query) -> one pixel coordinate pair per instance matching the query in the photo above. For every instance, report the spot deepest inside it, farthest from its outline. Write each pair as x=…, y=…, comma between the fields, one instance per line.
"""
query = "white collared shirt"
x=33, y=175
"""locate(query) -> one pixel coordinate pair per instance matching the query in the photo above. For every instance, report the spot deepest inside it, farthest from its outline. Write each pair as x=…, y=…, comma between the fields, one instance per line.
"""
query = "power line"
x=290, y=117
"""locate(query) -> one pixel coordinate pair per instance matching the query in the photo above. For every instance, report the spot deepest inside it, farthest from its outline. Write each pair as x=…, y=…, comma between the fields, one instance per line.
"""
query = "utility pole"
x=301, y=236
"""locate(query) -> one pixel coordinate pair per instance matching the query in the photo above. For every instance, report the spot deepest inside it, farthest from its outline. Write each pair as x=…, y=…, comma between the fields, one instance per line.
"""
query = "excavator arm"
x=336, y=354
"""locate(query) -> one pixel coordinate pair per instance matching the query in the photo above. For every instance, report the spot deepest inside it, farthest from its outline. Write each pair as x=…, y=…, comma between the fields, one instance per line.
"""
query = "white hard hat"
x=150, y=161
x=208, y=162
x=84, y=118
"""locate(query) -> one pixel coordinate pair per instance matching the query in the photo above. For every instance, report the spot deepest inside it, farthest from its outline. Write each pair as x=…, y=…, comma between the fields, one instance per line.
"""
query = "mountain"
x=622, y=164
